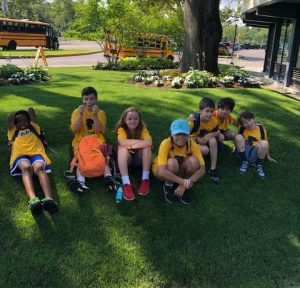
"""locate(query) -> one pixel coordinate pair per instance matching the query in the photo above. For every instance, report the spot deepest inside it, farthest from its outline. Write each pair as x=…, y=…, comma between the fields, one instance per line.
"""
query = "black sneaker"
x=77, y=186
x=214, y=176
x=169, y=193
x=110, y=184
x=185, y=198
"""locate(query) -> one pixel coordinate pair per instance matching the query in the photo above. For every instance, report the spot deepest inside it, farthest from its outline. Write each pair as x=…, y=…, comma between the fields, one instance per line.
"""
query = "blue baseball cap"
x=180, y=126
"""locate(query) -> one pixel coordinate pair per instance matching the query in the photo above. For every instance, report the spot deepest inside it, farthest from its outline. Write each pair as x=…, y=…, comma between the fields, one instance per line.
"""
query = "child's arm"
x=210, y=135
x=76, y=125
x=97, y=127
x=10, y=121
x=32, y=115
x=135, y=143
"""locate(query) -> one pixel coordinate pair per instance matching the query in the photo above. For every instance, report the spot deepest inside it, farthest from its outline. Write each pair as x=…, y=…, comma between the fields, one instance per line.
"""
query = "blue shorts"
x=15, y=171
x=250, y=153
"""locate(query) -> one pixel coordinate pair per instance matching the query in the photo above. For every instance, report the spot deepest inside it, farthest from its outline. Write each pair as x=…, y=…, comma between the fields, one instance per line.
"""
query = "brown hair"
x=121, y=123
x=245, y=115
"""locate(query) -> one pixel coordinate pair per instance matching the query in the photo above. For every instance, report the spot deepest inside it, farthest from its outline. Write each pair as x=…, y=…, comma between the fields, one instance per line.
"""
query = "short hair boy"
x=179, y=163
x=88, y=119
x=252, y=144
x=205, y=131
x=224, y=117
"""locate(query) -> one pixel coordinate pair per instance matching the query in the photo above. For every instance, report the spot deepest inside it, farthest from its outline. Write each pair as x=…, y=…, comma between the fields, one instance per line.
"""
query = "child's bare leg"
x=146, y=158
x=239, y=143
x=26, y=170
x=172, y=166
x=263, y=149
x=213, y=147
x=204, y=149
x=221, y=137
x=39, y=171
x=123, y=156
x=190, y=166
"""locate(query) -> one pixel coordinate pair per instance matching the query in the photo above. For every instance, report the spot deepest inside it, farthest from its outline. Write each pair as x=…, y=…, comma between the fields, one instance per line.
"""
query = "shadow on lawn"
x=232, y=234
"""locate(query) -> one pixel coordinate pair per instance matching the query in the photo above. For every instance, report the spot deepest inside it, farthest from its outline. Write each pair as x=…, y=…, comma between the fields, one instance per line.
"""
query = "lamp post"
x=234, y=38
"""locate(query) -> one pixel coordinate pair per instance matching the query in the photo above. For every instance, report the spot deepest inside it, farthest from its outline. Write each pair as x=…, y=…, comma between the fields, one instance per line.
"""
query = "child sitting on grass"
x=179, y=163
x=225, y=107
x=28, y=157
x=89, y=120
x=252, y=144
x=134, y=149
x=205, y=132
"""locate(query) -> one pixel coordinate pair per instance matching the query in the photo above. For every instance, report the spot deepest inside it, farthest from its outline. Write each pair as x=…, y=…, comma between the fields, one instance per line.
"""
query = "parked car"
x=223, y=49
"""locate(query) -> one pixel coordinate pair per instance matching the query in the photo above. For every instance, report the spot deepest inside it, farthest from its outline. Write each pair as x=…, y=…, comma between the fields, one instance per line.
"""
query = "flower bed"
x=13, y=75
x=194, y=79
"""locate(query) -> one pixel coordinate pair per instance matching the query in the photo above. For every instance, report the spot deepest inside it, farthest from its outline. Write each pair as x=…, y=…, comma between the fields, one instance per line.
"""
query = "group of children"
x=179, y=163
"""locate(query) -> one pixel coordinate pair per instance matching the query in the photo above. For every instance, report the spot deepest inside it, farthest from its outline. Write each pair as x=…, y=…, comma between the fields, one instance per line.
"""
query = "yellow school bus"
x=126, y=44
x=14, y=33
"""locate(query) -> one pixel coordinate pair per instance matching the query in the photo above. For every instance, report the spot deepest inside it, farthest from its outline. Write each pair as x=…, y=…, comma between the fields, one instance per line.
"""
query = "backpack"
x=196, y=123
x=90, y=160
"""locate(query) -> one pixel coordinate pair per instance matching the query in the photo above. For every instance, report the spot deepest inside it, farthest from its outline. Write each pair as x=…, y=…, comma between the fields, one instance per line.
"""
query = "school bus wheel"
x=12, y=45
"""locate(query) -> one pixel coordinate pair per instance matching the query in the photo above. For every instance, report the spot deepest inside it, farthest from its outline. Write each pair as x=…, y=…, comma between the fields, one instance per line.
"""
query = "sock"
x=259, y=161
x=108, y=174
x=125, y=180
x=145, y=175
x=242, y=155
x=81, y=178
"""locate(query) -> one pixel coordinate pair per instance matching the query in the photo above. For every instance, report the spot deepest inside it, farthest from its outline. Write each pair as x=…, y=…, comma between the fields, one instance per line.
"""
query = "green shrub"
x=136, y=63
x=6, y=71
x=37, y=72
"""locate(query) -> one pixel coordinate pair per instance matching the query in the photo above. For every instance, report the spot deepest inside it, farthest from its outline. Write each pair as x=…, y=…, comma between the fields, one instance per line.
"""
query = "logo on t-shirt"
x=89, y=123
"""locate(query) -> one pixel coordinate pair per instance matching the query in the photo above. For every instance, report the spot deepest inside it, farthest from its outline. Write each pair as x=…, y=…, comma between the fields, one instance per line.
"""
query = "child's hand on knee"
x=179, y=191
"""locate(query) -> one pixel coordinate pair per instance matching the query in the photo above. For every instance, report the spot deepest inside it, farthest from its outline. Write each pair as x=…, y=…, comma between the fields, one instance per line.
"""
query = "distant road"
x=252, y=59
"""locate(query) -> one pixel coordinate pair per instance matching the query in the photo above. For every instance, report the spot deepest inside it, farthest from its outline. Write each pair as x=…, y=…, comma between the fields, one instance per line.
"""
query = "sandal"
x=49, y=205
x=35, y=206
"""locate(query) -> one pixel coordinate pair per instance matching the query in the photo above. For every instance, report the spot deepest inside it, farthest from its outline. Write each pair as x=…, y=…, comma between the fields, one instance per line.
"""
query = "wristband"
x=186, y=183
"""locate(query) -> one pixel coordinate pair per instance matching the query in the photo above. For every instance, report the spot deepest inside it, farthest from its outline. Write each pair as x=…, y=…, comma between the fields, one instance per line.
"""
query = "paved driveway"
x=251, y=60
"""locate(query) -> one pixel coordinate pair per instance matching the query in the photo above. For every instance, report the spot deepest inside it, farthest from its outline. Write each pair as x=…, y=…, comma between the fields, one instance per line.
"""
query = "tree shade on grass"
x=241, y=233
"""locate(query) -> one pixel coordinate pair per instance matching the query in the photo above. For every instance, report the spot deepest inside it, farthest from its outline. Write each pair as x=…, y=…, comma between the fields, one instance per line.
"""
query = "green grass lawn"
x=244, y=232
x=32, y=52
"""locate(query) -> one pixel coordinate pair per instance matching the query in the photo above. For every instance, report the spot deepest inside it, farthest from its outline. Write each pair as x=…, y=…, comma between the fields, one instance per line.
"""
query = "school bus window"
x=140, y=42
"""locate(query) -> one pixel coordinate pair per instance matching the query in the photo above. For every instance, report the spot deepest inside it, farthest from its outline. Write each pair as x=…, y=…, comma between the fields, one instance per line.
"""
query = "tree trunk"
x=191, y=44
x=202, y=34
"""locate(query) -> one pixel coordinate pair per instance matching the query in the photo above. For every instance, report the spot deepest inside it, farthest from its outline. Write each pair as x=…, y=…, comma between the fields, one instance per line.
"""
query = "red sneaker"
x=127, y=192
x=144, y=188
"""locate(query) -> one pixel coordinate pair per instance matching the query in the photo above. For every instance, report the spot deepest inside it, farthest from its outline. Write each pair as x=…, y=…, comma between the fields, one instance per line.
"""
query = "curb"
x=50, y=56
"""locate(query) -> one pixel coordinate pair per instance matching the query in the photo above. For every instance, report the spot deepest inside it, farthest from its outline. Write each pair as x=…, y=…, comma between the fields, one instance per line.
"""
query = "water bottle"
x=119, y=194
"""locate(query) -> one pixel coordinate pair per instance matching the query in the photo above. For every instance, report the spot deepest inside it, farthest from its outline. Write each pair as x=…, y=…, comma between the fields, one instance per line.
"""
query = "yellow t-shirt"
x=223, y=125
x=87, y=126
x=253, y=136
x=204, y=127
x=167, y=150
x=26, y=144
x=145, y=135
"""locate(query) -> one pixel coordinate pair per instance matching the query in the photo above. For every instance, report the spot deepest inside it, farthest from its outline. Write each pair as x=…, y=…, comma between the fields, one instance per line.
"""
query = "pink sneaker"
x=127, y=192
x=144, y=188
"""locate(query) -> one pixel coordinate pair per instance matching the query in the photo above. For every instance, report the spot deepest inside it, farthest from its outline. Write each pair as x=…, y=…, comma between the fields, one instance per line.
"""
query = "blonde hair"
x=121, y=123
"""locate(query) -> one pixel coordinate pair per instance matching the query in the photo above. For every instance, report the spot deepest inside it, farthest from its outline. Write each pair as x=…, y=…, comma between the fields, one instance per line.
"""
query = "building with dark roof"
x=282, y=18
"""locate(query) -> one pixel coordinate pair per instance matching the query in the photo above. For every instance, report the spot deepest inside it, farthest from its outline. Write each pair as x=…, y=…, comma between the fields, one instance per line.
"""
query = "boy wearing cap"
x=179, y=163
